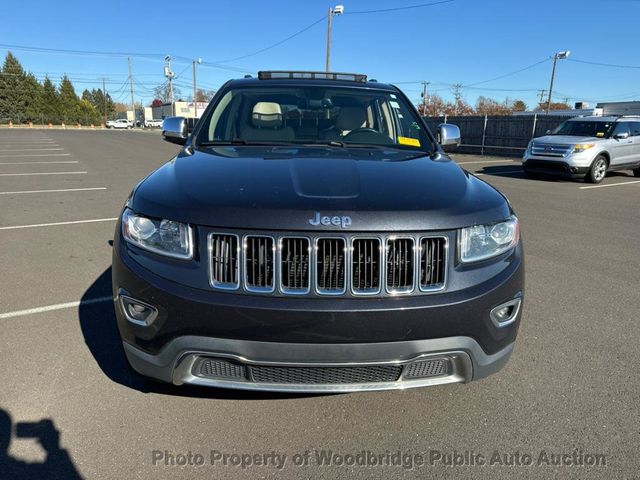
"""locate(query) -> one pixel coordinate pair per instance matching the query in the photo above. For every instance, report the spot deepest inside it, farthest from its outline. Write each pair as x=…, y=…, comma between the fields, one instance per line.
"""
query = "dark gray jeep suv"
x=312, y=235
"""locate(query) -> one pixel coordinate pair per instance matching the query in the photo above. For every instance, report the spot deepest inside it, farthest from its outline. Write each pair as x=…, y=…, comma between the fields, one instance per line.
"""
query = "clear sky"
x=463, y=41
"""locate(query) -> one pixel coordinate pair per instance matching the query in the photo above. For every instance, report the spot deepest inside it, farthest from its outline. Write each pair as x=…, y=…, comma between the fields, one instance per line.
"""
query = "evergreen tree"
x=19, y=91
x=50, y=105
x=68, y=101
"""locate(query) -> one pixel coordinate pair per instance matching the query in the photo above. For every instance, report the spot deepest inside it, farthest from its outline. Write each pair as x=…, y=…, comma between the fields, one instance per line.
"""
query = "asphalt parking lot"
x=572, y=384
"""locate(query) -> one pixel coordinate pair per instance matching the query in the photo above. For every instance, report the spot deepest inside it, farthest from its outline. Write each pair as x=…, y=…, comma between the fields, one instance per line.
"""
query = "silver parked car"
x=119, y=123
x=586, y=147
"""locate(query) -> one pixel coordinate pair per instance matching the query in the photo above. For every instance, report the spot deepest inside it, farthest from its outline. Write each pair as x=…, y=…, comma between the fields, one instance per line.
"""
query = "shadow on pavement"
x=100, y=331
x=512, y=171
x=58, y=463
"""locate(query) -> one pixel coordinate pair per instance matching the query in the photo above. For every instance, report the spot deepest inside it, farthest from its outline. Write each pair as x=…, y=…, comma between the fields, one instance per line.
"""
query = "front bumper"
x=317, y=344
x=346, y=368
x=554, y=167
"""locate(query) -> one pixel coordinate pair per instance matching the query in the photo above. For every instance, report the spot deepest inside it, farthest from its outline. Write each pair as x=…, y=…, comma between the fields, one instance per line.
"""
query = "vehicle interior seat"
x=348, y=119
x=267, y=124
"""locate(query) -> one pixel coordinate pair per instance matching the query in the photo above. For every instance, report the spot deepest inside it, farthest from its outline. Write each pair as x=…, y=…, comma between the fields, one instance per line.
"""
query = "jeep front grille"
x=258, y=254
x=330, y=265
x=400, y=265
x=294, y=264
x=365, y=261
x=223, y=252
x=351, y=265
x=432, y=262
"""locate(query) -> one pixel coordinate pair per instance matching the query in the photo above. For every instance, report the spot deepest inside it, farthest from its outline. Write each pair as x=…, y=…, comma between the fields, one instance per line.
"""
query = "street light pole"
x=333, y=11
x=556, y=57
x=195, y=104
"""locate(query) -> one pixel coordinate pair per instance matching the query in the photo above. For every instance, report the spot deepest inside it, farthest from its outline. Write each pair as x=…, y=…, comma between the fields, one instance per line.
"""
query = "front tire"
x=598, y=170
x=636, y=172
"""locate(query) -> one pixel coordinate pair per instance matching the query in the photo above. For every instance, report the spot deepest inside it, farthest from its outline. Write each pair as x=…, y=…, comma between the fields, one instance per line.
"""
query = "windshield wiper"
x=240, y=141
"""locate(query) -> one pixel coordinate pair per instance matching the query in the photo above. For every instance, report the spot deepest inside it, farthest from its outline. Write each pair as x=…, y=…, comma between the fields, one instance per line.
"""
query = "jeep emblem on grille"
x=342, y=222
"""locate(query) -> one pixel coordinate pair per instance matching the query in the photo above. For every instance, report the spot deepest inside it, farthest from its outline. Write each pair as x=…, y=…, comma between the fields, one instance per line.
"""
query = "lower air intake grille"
x=294, y=256
x=432, y=262
x=400, y=265
x=217, y=368
x=428, y=368
x=325, y=375
x=224, y=260
x=259, y=263
x=330, y=265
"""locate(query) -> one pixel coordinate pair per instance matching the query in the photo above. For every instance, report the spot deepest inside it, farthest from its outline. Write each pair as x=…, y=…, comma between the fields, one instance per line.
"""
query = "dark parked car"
x=312, y=235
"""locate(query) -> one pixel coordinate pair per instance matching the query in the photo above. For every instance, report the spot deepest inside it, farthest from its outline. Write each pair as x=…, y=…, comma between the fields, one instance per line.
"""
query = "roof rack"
x=303, y=75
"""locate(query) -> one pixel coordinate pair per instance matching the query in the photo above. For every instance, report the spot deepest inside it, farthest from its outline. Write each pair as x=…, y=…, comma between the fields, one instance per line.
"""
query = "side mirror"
x=548, y=132
x=174, y=130
x=448, y=136
x=621, y=136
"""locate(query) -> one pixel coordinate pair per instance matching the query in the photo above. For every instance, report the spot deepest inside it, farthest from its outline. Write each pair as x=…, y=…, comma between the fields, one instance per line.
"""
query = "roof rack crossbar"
x=309, y=75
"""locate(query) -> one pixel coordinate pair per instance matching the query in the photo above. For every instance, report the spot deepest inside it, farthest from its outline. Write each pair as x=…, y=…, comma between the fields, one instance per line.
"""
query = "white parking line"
x=48, y=143
x=38, y=163
x=30, y=149
x=49, y=308
x=39, y=173
x=74, y=222
x=486, y=161
x=610, y=185
x=37, y=155
x=53, y=191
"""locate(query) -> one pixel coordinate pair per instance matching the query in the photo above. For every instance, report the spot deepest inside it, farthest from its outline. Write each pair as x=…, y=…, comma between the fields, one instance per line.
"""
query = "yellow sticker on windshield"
x=414, y=142
x=599, y=134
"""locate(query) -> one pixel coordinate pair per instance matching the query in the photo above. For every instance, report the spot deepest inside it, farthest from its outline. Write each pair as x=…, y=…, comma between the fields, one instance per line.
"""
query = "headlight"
x=166, y=237
x=581, y=147
x=485, y=241
x=528, y=150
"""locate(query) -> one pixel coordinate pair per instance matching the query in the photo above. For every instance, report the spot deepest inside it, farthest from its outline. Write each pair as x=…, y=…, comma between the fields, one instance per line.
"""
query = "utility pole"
x=542, y=93
x=424, y=97
x=333, y=11
x=133, y=105
x=457, y=95
x=104, y=100
x=556, y=57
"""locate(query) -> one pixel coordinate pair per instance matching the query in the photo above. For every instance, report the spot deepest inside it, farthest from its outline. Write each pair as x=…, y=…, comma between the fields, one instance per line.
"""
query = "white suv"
x=587, y=147
x=119, y=123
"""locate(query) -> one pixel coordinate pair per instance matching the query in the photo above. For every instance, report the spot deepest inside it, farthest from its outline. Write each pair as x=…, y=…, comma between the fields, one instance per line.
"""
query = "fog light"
x=138, y=312
x=506, y=314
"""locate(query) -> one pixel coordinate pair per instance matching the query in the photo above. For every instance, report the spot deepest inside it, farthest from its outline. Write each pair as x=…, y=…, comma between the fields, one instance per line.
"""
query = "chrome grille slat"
x=295, y=264
x=400, y=265
x=259, y=263
x=550, y=150
x=316, y=265
x=432, y=263
x=330, y=265
x=365, y=261
x=223, y=257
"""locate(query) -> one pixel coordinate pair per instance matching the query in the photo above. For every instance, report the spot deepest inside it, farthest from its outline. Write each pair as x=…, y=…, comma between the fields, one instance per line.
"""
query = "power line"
x=145, y=56
x=275, y=44
x=394, y=9
x=612, y=65
x=508, y=74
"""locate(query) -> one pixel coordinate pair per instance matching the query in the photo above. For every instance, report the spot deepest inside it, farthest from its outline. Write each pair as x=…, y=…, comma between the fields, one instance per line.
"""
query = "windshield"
x=312, y=115
x=584, y=128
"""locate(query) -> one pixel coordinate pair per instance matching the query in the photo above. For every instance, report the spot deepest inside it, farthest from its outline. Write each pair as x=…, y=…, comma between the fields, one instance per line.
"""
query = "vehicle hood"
x=282, y=188
x=565, y=139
